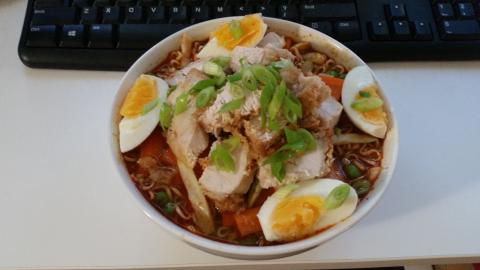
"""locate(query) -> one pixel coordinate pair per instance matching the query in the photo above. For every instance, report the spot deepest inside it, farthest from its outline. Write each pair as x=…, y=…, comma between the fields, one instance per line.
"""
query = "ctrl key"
x=42, y=36
x=101, y=36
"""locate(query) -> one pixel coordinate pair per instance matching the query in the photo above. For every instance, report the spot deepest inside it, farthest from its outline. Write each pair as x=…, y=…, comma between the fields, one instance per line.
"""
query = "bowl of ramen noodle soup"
x=253, y=137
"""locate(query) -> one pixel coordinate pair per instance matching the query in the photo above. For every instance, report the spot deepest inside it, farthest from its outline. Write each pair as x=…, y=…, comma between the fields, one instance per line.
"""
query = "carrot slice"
x=247, y=221
x=335, y=84
x=227, y=219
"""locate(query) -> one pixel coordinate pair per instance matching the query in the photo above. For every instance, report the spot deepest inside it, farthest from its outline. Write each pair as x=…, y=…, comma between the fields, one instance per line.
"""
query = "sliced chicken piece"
x=273, y=39
x=261, y=139
x=220, y=185
x=258, y=55
x=315, y=163
x=329, y=111
x=185, y=136
x=213, y=121
x=179, y=75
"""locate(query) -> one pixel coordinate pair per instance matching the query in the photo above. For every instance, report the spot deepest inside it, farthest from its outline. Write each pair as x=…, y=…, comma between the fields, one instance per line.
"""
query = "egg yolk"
x=143, y=91
x=295, y=217
x=375, y=116
x=251, y=31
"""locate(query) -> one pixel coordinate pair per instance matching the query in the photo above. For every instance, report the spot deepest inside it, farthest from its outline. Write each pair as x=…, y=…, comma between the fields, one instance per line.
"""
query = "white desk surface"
x=63, y=206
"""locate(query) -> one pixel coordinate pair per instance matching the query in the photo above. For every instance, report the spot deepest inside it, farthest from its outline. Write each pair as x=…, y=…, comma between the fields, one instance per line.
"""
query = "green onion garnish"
x=352, y=171
x=234, y=77
x=283, y=63
x=166, y=115
x=337, y=196
x=364, y=93
x=161, y=198
x=205, y=97
x=265, y=98
x=200, y=85
x=222, y=159
x=149, y=106
x=248, y=79
x=169, y=208
x=263, y=75
x=277, y=100
x=232, y=105
x=361, y=186
x=365, y=104
x=292, y=109
x=236, y=91
x=333, y=73
x=235, y=29
x=181, y=103
x=222, y=61
x=213, y=69
x=171, y=89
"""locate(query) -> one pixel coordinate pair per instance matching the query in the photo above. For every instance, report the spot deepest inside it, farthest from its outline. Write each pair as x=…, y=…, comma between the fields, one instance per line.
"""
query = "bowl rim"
x=239, y=250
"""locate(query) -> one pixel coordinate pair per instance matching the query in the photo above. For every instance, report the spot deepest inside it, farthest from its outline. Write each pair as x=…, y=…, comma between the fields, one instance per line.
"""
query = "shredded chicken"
x=258, y=55
x=262, y=140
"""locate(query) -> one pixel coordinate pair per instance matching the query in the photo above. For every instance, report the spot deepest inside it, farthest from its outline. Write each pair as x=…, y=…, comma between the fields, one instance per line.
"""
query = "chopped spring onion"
x=169, y=208
x=274, y=72
x=337, y=196
x=364, y=104
x=265, y=98
x=263, y=75
x=236, y=91
x=161, y=198
x=232, y=143
x=283, y=63
x=181, y=103
x=205, y=97
x=234, y=77
x=200, y=85
x=222, y=61
x=292, y=109
x=248, y=79
x=277, y=100
x=278, y=170
x=235, y=29
x=213, y=69
x=279, y=156
x=166, y=115
x=361, y=186
x=171, y=89
x=149, y=106
x=222, y=159
x=333, y=73
x=221, y=80
x=364, y=93
x=352, y=171
x=232, y=105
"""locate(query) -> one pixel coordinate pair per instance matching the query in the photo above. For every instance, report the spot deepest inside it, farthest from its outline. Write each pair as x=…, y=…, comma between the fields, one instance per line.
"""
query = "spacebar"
x=144, y=36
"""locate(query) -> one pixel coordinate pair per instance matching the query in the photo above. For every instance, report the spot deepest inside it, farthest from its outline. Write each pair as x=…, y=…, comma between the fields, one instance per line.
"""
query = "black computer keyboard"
x=112, y=34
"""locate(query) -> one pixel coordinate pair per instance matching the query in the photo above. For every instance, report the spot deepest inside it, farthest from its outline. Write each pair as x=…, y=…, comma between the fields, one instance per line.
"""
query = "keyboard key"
x=58, y=15
x=89, y=15
x=401, y=30
x=378, y=30
x=42, y=36
x=200, y=14
x=72, y=36
x=395, y=11
x=465, y=10
x=324, y=27
x=445, y=10
x=178, y=14
x=460, y=30
x=82, y=3
x=422, y=30
x=328, y=11
x=169, y=3
x=133, y=14
x=222, y=11
x=103, y=3
x=48, y=3
x=192, y=2
x=243, y=10
x=148, y=3
x=267, y=10
x=144, y=36
x=288, y=12
x=111, y=15
x=156, y=14
x=101, y=36
x=347, y=30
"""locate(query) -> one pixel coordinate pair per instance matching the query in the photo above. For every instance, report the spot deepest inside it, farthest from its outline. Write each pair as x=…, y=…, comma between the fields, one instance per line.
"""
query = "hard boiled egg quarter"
x=250, y=31
x=141, y=111
x=362, y=103
x=296, y=211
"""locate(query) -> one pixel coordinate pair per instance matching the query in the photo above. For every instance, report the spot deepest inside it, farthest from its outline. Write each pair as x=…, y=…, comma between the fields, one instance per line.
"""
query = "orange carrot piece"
x=227, y=219
x=335, y=84
x=247, y=221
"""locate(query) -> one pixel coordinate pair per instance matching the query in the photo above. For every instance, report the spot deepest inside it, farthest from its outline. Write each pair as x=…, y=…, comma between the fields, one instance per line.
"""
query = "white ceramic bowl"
x=321, y=42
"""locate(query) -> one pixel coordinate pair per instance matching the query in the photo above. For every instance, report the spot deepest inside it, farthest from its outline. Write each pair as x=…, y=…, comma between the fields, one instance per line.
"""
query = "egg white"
x=357, y=79
x=319, y=187
x=133, y=131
